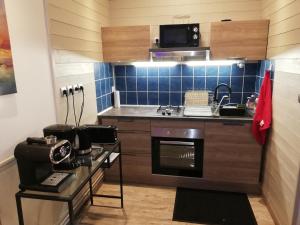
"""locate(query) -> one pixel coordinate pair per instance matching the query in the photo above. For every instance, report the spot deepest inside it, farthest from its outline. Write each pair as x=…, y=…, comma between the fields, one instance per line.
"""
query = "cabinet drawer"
x=128, y=124
x=135, y=143
x=229, y=132
x=177, y=124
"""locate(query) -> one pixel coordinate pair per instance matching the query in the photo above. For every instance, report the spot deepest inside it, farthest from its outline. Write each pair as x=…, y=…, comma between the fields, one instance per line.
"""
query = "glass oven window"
x=177, y=155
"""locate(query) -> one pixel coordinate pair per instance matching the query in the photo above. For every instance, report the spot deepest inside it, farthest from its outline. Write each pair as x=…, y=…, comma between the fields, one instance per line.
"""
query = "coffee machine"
x=36, y=158
x=64, y=132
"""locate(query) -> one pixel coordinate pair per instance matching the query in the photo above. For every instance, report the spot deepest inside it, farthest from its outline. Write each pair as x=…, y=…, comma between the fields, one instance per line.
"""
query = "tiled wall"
x=264, y=65
x=163, y=85
x=103, y=82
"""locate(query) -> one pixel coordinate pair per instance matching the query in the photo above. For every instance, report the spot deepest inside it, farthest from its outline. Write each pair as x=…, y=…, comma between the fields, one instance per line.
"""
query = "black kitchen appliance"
x=64, y=132
x=36, y=158
x=100, y=134
x=61, y=131
x=177, y=152
x=83, y=146
x=179, y=35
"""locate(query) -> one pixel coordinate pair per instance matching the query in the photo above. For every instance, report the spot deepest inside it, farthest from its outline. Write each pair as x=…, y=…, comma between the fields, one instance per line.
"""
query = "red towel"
x=263, y=115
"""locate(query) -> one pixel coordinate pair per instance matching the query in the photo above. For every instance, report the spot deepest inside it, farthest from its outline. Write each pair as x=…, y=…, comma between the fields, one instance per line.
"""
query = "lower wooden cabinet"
x=137, y=143
x=136, y=158
x=136, y=169
x=135, y=138
x=231, y=153
x=232, y=158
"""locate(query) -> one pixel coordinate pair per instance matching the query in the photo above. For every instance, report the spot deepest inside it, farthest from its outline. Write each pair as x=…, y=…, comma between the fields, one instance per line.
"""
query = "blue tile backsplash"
x=167, y=85
x=103, y=82
x=264, y=65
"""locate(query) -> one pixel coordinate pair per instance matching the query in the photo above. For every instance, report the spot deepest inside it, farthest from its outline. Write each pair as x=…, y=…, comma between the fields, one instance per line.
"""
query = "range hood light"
x=213, y=63
x=155, y=64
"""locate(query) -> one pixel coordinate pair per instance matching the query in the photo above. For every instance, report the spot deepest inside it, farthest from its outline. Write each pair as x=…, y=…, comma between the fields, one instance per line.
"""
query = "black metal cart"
x=82, y=176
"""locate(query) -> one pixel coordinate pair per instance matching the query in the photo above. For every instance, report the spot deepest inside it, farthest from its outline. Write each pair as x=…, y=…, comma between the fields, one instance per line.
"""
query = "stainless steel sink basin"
x=201, y=111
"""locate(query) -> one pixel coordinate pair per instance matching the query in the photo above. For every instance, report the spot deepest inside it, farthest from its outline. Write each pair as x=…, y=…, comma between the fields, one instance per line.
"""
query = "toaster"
x=100, y=134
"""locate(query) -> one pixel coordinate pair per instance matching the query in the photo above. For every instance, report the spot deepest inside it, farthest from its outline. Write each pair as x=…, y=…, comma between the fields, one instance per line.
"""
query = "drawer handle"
x=233, y=123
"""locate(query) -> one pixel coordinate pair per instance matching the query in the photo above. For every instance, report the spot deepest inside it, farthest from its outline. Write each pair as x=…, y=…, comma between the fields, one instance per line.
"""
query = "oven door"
x=177, y=157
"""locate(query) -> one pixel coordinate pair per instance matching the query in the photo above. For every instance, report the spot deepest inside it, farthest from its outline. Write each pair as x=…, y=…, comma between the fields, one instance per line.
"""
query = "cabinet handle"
x=233, y=123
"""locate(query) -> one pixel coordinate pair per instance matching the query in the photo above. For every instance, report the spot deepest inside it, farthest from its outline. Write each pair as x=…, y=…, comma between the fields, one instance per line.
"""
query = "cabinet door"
x=136, y=169
x=126, y=43
x=239, y=39
x=231, y=153
x=135, y=138
x=135, y=143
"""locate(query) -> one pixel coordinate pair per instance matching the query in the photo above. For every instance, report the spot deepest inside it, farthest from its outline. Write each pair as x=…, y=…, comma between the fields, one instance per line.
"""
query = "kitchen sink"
x=232, y=110
x=205, y=111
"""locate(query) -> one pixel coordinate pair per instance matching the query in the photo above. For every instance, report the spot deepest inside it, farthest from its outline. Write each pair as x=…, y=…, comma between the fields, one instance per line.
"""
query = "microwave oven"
x=179, y=35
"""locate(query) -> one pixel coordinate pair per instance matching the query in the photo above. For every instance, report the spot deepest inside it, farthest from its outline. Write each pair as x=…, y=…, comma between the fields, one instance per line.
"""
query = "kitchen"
x=75, y=43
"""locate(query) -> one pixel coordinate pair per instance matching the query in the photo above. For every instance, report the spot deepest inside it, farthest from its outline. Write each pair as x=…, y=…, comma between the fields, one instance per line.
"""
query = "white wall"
x=75, y=36
x=32, y=108
x=25, y=113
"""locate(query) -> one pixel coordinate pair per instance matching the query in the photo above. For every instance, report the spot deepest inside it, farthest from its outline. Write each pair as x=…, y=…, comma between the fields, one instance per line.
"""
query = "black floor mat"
x=212, y=207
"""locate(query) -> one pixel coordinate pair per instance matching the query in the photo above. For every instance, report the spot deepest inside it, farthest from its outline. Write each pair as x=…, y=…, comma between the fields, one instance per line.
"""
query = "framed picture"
x=7, y=75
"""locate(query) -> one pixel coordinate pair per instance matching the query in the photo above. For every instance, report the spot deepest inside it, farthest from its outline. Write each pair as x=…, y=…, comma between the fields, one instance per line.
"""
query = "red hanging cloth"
x=263, y=114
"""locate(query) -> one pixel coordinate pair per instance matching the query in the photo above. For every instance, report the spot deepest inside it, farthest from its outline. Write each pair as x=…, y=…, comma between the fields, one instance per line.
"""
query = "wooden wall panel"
x=155, y=12
x=284, y=25
x=283, y=153
x=75, y=37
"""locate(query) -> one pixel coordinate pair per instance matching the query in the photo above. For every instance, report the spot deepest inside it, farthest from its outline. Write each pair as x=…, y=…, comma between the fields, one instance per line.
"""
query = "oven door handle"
x=181, y=143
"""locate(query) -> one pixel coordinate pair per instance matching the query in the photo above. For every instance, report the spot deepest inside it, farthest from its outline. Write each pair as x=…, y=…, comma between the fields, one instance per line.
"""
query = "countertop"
x=150, y=112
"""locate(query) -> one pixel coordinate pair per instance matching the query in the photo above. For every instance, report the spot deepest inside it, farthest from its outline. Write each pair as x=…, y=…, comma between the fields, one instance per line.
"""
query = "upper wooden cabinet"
x=239, y=39
x=126, y=43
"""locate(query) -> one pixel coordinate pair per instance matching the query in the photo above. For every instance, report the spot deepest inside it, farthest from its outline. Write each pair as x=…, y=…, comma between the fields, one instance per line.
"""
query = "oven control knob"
x=195, y=36
x=195, y=29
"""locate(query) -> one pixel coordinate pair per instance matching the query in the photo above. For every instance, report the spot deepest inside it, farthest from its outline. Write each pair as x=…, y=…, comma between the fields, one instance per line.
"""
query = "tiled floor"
x=148, y=205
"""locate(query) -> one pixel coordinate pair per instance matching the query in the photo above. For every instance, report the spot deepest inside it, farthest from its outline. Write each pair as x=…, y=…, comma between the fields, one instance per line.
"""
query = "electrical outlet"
x=76, y=88
x=64, y=90
x=80, y=86
x=70, y=89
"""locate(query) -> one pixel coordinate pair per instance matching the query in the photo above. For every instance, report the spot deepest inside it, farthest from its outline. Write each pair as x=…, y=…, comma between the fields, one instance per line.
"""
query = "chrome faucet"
x=222, y=85
x=219, y=105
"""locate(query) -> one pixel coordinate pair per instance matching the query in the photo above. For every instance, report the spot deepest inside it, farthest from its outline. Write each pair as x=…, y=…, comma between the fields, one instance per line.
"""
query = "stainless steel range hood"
x=180, y=54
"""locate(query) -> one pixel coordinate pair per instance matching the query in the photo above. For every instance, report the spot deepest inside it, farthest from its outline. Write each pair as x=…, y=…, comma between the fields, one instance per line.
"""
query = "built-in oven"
x=177, y=152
